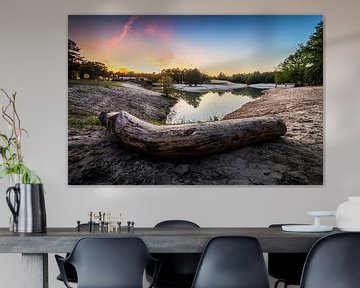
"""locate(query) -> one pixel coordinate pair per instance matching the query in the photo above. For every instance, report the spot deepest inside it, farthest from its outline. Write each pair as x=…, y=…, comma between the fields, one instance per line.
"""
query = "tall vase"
x=348, y=214
x=27, y=204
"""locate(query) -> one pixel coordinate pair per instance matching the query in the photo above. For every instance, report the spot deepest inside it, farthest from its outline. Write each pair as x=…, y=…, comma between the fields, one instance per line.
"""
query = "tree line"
x=185, y=76
x=303, y=67
x=249, y=78
x=78, y=67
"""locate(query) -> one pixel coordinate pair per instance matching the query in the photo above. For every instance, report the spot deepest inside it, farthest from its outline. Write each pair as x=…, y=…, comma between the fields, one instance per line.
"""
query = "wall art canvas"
x=195, y=100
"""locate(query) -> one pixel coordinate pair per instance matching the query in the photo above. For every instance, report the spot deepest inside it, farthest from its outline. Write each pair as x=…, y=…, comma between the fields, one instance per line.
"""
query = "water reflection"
x=192, y=98
x=208, y=106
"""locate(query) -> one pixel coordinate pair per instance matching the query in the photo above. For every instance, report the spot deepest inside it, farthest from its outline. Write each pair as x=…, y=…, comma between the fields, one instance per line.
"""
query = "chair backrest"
x=178, y=269
x=286, y=266
x=232, y=262
x=176, y=224
x=333, y=262
x=110, y=262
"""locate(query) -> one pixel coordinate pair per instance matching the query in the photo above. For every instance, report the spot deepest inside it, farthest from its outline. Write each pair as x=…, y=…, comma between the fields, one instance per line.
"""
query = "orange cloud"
x=119, y=37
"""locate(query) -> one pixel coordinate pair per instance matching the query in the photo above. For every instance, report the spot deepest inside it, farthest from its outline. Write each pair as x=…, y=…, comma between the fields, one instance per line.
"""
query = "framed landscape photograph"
x=195, y=100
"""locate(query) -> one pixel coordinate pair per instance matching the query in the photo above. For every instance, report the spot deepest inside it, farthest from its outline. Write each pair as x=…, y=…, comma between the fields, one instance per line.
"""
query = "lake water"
x=209, y=106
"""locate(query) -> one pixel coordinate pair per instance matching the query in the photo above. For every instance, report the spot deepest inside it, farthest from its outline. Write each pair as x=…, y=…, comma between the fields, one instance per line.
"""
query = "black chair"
x=333, y=262
x=176, y=224
x=108, y=263
x=178, y=269
x=286, y=267
x=69, y=269
x=232, y=262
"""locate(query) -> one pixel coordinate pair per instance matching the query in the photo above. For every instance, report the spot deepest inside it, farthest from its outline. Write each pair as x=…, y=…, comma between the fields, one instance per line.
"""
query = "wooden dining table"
x=35, y=247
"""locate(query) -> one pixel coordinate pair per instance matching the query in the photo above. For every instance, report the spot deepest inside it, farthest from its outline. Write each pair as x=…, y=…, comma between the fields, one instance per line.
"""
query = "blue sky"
x=230, y=44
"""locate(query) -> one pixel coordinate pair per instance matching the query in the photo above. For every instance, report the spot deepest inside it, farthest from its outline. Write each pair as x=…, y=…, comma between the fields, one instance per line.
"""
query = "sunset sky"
x=213, y=44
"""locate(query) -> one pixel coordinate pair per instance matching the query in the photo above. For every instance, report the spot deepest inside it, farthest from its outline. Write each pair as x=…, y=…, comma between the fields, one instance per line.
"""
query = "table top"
x=158, y=240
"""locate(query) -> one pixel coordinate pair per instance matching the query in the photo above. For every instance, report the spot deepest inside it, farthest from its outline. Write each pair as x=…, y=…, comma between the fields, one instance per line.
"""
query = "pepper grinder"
x=78, y=226
x=100, y=221
x=90, y=221
x=131, y=226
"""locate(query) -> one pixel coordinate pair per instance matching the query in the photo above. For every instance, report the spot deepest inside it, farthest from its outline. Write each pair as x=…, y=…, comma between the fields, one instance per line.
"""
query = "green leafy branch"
x=12, y=161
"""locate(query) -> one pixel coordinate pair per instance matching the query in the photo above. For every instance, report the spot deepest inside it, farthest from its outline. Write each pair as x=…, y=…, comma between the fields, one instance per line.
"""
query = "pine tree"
x=74, y=60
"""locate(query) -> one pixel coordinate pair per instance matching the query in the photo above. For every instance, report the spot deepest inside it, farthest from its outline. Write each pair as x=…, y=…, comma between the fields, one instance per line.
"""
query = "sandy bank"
x=270, y=86
x=87, y=100
x=301, y=109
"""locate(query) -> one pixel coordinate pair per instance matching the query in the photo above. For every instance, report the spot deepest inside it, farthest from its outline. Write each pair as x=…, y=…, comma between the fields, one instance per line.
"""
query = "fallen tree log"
x=187, y=140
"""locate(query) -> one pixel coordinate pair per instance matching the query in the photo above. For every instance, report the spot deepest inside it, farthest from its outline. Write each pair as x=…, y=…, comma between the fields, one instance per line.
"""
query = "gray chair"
x=108, y=263
x=178, y=269
x=232, y=262
x=333, y=262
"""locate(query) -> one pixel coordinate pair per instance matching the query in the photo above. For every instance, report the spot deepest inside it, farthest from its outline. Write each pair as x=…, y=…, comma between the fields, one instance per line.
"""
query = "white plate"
x=321, y=213
x=306, y=228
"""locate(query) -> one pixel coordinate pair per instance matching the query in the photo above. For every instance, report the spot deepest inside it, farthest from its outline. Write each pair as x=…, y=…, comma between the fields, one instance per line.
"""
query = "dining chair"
x=333, y=262
x=286, y=267
x=178, y=269
x=70, y=271
x=232, y=262
x=108, y=263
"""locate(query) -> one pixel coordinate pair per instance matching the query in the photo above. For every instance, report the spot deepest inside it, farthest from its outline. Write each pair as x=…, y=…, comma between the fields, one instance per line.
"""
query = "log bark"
x=188, y=140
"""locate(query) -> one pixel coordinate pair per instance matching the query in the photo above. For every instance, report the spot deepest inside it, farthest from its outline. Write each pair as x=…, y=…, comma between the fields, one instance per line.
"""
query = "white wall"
x=33, y=53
